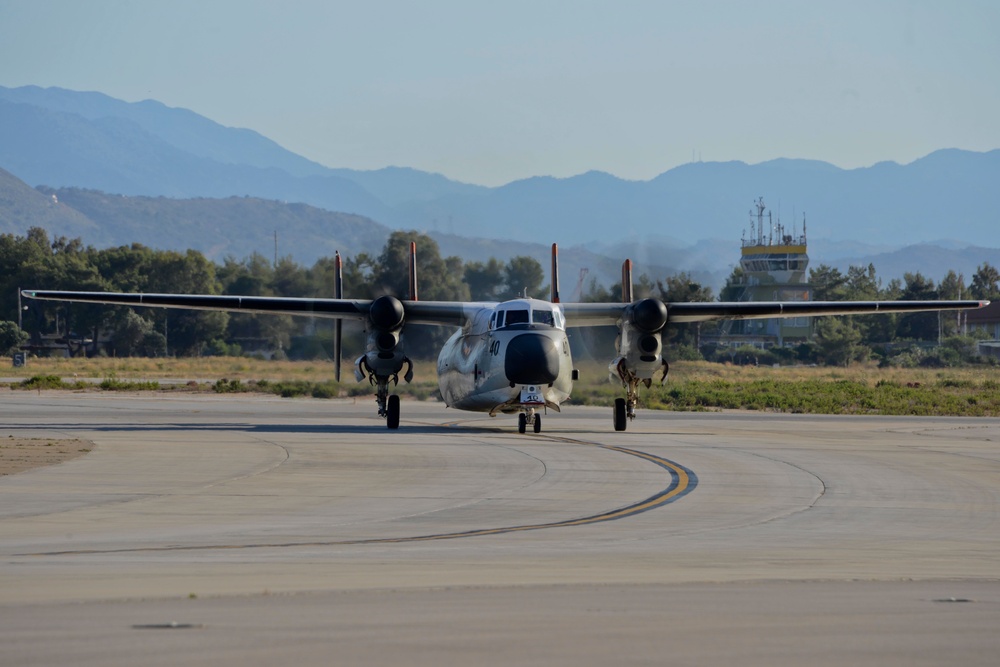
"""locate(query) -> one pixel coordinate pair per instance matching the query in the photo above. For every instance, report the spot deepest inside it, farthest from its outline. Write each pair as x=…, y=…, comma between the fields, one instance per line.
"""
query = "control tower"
x=774, y=263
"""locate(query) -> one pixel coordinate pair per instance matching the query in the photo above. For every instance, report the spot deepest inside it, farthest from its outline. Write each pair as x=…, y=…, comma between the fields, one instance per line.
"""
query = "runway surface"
x=252, y=530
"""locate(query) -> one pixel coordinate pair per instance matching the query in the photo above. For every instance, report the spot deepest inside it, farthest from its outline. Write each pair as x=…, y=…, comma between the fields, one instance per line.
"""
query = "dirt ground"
x=20, y=454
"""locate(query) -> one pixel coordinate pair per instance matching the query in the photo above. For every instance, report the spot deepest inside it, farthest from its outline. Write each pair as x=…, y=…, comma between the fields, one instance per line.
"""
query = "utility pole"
x=19, y=311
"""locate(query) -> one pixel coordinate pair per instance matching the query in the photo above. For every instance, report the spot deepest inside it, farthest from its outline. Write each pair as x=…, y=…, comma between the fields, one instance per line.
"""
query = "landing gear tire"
x=620, y=414
x=392, y=412
x=537, y=424
x=522, y=423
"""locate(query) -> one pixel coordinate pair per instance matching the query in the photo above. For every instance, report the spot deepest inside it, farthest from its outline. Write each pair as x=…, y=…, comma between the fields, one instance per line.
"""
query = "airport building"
x=774, y=261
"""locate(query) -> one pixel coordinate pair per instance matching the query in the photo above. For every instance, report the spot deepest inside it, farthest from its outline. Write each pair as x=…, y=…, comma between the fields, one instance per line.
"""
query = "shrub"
x=112, y=383
x=43, y=382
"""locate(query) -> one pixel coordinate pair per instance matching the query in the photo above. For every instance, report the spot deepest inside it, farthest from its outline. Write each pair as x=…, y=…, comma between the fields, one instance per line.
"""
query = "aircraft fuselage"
x=509, y=358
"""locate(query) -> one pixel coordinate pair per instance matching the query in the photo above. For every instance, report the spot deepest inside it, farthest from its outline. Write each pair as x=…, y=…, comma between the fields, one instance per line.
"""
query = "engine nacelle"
x=386, y=313
x=384, y=350
x=640, y=342
x=648, y=315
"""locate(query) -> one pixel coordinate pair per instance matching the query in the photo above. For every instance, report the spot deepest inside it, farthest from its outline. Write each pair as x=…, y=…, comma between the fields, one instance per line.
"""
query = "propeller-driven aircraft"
x=511, y=357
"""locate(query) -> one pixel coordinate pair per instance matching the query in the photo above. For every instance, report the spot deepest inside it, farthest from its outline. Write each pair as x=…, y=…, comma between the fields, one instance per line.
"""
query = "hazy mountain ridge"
x=116, y=155
x=23, y=207
x=219, y=228
x=67, y=139
x=240, y=226
x=181, y=128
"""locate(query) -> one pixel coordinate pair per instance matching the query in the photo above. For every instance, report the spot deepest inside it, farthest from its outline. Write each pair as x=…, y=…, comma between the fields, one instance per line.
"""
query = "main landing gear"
x=388, y=404
x=621, y=414
x=531, y=417
x=624, y=411
x=392, y=412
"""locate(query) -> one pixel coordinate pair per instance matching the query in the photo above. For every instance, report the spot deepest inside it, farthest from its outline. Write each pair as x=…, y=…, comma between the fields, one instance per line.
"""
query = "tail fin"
x=555, y=273
x=627, y=281
x=338, y=292
x=413, y=271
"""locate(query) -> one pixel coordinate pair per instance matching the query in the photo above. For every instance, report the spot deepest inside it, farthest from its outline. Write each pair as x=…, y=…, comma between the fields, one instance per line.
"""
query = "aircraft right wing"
x=331, y=308
x=443, y=313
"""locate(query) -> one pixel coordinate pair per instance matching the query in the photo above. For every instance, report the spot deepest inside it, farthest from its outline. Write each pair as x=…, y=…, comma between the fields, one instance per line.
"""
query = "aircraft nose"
x=531, y=359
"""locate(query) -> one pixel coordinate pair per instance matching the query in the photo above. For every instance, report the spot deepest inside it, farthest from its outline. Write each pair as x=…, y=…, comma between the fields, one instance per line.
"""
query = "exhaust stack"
x=627, y=281
x=555, y=273
x=413, y=271
x=338, y=331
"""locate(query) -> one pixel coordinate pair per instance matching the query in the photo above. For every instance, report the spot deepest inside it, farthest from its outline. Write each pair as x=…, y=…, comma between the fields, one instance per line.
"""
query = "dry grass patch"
x=20, y=454
x=860, y=389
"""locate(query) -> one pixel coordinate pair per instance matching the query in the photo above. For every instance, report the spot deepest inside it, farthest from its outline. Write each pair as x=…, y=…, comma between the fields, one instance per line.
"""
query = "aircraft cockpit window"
x=516, y=317
x=540, y=316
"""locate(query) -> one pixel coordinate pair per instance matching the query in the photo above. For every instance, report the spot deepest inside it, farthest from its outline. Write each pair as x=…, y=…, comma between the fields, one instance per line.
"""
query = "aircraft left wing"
x=748, y=310
x=596, y=314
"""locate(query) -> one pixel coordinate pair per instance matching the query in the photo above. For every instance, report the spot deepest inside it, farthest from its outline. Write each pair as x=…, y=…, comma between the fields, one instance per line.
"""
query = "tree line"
x=37, y=261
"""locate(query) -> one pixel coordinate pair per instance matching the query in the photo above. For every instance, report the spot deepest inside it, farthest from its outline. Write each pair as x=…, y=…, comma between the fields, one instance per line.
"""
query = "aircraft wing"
x=333, y=308
x=592, y=314
x=749, y=310
x=596, y=314
x=444, y=313
x=456, y=313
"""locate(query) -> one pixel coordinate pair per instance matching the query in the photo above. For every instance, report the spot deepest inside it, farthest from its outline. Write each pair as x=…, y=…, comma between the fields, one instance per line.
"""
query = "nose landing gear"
x=530, y=417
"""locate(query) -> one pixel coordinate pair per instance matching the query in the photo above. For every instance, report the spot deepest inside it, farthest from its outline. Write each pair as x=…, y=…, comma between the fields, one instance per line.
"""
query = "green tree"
x=436, y=279
x=187, y=331
x=130, y=334
x=681, y=288
x=256, y=276
x=838, y=342
x=735, y=285
x=290, y=279
x=952, y=286
x=11, y=338
x=34, y=261
x=985, y=282
x=598, y=293
x=862, y=284
x=522, y=275
x=918, y=326
x=485, y=279
x=828, y=283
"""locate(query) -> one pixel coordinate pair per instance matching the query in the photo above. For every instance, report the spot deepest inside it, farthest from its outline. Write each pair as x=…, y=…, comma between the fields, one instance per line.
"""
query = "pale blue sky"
x=490, y=92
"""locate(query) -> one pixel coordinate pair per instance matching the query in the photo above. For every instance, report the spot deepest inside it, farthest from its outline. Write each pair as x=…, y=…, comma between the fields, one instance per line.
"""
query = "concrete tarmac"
x=252, y=530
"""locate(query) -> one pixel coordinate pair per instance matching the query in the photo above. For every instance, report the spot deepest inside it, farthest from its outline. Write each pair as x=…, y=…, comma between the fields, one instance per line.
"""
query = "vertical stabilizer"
x=555, y=273
x=338, y=331
x=413, y=271
x=627, y=281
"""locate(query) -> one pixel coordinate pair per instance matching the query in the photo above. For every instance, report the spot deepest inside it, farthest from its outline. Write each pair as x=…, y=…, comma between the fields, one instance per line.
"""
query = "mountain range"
x=84, y=148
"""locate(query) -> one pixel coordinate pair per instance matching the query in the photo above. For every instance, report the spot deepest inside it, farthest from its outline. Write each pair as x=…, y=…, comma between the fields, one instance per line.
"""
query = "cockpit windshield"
x=517, y=317
x=542, y=316
x=522, y=313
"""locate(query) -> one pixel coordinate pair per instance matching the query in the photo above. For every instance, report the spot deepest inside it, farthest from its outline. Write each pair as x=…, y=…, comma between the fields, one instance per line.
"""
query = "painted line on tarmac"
x=682, y=482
